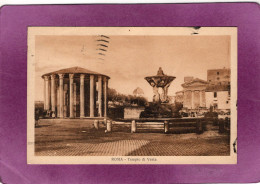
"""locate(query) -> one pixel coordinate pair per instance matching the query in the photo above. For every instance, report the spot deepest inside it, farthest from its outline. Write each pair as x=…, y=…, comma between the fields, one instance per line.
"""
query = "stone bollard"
x=96, y=124
x=166, y=127
x=133, y=127
x=221, y=126
x=109, y=126
x=199, y=127
x=105, y=122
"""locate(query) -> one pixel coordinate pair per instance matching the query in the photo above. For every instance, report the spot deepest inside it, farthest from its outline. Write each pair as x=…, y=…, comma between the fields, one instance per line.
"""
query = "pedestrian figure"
x=48, y=113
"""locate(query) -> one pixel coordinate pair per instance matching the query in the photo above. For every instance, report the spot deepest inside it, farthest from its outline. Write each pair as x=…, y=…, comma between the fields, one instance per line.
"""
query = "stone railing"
x=163, y=125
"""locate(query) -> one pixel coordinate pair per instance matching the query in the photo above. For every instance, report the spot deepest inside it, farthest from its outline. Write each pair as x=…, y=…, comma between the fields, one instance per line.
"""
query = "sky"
x=129, y=59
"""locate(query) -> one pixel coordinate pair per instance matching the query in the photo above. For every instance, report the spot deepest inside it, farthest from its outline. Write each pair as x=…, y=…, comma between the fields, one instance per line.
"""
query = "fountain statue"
x=163, y=81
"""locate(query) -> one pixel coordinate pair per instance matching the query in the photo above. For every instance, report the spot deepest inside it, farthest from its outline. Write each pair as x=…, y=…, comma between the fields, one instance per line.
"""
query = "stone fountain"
x=160, y=107
x=163, y=81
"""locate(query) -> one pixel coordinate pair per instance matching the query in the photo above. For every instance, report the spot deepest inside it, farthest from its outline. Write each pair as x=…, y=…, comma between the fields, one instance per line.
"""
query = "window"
x=217, y=73
x=215, y=94
x=228, y=93
x=217, y=78
x=227, y=102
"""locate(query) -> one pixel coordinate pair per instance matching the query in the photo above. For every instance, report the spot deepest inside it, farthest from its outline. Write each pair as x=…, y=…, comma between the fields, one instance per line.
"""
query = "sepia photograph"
x=132, y=95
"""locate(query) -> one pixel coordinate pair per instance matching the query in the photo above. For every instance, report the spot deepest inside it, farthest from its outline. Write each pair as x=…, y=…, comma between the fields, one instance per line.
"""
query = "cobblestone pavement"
x=78, y=138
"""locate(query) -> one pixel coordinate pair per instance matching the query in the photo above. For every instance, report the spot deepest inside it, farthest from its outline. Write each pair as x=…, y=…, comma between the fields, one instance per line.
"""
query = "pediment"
x=195, y=83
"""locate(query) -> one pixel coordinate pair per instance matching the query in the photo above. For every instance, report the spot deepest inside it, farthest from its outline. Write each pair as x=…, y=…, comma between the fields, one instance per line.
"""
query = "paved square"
x=79, y=138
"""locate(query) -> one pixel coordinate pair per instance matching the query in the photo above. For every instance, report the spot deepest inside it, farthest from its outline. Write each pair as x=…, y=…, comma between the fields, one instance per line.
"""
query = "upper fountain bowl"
x=160, y=80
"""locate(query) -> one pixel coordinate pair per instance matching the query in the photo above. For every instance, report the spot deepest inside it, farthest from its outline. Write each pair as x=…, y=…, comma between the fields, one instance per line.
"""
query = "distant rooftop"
x=219, y=69
x=138, y=91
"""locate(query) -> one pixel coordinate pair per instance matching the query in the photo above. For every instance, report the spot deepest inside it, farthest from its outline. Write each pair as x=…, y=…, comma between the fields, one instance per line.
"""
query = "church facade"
x=193, y=94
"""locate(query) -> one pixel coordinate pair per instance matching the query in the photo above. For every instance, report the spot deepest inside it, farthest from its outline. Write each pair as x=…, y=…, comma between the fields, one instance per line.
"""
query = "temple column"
x=201, y=102
x=44, y=94
x=92, y=97
x=65, y=100
x=58, y=102
x=53, y=104
x=75, y=99
x=61, y=96
x=192, y=99
x=100, y=96
x=47, y=92
x=82, y=114
x=105, y=96
x=71, y=95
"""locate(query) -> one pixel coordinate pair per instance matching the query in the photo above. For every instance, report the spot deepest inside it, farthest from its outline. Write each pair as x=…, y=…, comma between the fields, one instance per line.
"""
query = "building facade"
x=199, y=94
x=218, y=89
x=219, y=76
x=193, y=94
x=75, y=93
x=218, y=97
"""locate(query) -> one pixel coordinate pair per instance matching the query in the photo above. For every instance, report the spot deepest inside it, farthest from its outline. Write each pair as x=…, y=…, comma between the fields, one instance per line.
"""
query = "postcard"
x=132, y=95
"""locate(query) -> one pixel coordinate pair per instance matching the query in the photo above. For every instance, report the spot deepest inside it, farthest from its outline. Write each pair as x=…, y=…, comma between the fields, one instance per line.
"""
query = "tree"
x=177, y=107
x=114, y=96
x=111, y=94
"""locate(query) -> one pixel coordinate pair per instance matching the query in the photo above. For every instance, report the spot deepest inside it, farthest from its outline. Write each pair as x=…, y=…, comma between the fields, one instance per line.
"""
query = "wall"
x=116, y=112
x=132, y=112
x=218, y=76
x=222, y=97
x=209, y=98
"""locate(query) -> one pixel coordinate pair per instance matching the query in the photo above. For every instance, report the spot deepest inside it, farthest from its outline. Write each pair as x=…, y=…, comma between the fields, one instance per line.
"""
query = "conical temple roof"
x=74, y=70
